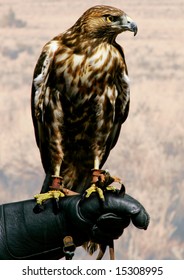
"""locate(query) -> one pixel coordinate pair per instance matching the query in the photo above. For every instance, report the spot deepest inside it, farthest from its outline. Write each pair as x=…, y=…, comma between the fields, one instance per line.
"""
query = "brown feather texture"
x=80, y=95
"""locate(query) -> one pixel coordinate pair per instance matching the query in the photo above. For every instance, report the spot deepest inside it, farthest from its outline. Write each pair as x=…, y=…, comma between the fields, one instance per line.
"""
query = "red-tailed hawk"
x=80, y=96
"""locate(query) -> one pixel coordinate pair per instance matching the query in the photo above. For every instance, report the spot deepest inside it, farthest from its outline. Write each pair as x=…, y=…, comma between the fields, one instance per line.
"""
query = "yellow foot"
x=94, y=188
x=111, y=188
x=42, y=197
x=100, y=192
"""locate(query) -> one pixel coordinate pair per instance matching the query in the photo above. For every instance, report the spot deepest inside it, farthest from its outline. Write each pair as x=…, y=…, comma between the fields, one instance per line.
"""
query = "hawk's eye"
x=109, y=18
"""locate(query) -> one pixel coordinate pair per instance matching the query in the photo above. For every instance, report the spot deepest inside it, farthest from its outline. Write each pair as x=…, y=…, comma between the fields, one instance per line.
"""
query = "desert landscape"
x=149, y=156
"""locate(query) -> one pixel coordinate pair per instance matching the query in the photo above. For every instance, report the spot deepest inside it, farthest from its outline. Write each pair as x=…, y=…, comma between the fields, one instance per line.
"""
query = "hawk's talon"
x=111, y=188
x=122, y=189
x=101, y=180
x=38, y=208
x=42, y=197
x=100, y=192
x=92, y=189
x=56, y=207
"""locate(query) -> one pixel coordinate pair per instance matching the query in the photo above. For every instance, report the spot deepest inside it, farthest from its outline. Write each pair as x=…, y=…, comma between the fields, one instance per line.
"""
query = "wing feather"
x=40, y=95
x=121, y=106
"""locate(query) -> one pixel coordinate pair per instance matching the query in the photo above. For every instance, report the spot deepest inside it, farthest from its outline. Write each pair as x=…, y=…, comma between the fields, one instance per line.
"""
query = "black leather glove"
x=26, y=235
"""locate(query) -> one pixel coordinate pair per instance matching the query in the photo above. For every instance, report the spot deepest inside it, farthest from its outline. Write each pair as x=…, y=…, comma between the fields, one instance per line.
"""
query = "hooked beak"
x=128, y=24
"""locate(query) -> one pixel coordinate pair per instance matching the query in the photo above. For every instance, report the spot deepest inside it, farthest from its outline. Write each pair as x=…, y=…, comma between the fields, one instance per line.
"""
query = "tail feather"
x=90, y=247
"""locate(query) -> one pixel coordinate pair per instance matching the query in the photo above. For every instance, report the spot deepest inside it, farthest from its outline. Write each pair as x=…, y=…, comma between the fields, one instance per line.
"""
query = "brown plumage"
x=80, y=96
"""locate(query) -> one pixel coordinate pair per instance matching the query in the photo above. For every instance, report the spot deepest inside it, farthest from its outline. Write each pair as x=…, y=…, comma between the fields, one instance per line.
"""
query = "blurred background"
x=149, y=156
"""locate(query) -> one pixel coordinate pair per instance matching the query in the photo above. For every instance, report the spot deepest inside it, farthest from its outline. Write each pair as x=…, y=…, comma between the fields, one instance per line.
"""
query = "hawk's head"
x=104, y=22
